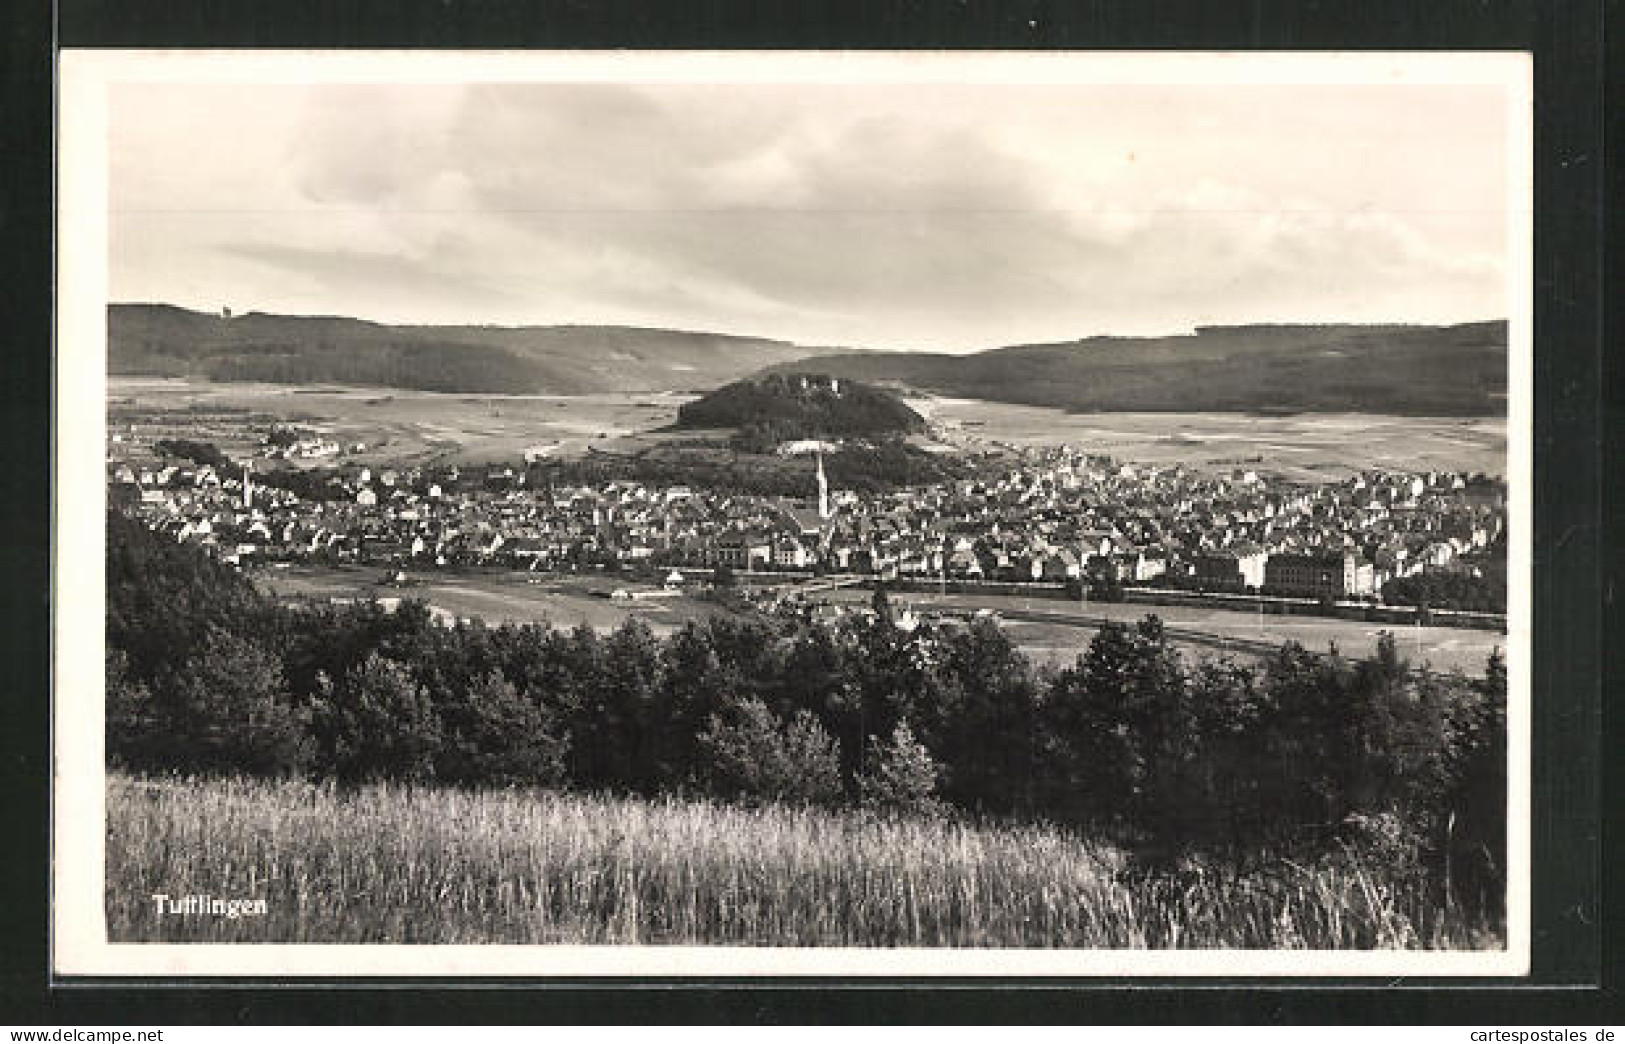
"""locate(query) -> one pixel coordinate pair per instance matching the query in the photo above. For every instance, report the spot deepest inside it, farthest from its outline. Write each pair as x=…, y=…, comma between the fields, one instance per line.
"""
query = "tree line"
x=1214, y=759
x=1448, y=590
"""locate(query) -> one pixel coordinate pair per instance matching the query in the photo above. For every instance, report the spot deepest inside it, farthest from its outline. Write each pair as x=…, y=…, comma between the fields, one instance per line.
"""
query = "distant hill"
x=781, y=407
x=1416, y=370
x=163, y=340
x=1419, y=370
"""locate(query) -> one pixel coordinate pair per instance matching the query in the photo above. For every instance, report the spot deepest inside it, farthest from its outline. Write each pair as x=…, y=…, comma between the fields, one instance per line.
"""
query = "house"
x=963, y=562
x=791, y=553
x=1059, y=566
x=742, y=550
x=1096, y=543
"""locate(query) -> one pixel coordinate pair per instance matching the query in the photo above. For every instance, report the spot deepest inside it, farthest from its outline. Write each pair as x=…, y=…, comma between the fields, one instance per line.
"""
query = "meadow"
x=494, y=596
x=414, y=864
x=1055, y=631
x=1050, y=630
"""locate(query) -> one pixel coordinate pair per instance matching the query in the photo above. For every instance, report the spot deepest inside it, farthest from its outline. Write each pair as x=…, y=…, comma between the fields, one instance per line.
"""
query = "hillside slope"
x=568, y=360
x=1416, y=370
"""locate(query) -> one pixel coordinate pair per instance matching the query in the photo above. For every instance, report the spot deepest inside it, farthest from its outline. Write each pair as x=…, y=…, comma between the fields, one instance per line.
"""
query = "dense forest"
x=301, y=349
x=1225, y=763
x=1409, y=370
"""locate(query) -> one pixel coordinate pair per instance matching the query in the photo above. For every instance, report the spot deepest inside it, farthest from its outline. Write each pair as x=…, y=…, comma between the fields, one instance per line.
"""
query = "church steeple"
x=823, y=488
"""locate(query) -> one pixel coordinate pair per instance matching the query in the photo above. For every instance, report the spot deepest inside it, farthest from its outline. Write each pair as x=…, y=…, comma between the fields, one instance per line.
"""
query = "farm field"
x=421, y=428
x=495, y=596
x=1055, y=631
x=397, y=864
x=1304, y=447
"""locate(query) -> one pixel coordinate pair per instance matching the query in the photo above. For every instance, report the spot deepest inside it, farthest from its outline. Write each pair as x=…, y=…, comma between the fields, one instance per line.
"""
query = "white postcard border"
x=79, y=944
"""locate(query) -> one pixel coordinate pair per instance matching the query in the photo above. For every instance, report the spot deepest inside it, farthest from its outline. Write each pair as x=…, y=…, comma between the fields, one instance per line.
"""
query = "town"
x=1045, y=518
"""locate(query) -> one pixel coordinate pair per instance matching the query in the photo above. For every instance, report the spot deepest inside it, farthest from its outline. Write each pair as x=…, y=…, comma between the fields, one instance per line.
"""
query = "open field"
x=1055, y=631
x=495, y=596
x=1049, y=630
x=406, y=428
x=419, y=428
x=1301, y=447
x=390, y=863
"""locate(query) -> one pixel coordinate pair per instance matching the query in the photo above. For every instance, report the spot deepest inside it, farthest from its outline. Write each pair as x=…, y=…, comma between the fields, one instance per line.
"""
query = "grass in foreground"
x=391, y=863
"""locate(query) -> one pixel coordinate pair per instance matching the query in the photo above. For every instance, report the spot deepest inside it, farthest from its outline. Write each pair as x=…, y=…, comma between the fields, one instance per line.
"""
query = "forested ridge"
x=1303, y=757
x=305, y=349
x=1448, y=371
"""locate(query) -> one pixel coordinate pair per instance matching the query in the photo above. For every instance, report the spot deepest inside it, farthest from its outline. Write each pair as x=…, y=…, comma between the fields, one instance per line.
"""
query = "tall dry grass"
x=391, y=863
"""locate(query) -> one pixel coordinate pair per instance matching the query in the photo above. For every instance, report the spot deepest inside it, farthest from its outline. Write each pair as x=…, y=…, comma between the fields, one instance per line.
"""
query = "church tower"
x=823, y=488
x=248, y=489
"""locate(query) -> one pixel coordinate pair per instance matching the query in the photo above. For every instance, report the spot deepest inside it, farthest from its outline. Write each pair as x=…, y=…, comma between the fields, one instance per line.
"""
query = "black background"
x=1577, y=504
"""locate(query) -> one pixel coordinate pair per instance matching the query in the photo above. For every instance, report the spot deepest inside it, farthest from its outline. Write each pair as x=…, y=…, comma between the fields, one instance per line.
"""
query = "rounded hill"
x=802, y=406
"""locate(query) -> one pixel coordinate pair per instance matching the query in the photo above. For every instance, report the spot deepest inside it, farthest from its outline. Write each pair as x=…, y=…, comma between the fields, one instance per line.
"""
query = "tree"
x=900, y=775
x=379, y=723
x=130, y=719
x=1105, y=587
x=617, y=735
x=202, y=453
x=751, y=754
x=978, y=711
x=1474, y=807
x=498, y=736
x=1221, y=787
x=1115, y=725
x=227, y=710
x=880, y=605
x=693, y=683
x=163, y=598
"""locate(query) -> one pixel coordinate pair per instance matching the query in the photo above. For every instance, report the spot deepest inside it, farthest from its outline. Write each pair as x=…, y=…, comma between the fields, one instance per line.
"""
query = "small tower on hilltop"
x=248, y=488
x=823, y=487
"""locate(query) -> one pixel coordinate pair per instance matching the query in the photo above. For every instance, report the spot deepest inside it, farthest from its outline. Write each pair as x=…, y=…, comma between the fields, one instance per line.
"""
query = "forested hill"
x=163, y=340
x=1415, y=370
x=798, y=406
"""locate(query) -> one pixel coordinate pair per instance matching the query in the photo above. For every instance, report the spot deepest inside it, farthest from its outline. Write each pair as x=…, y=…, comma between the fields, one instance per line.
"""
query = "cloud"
x=920, y=216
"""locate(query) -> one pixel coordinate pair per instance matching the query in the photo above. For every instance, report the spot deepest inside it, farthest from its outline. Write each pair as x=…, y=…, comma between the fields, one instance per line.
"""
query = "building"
x=1325, y=575
x=1231, y=570
x=823, y=488
x=742, y=551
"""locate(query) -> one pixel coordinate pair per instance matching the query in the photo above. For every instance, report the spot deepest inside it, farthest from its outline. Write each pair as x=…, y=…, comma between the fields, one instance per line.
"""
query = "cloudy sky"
x=947, y=217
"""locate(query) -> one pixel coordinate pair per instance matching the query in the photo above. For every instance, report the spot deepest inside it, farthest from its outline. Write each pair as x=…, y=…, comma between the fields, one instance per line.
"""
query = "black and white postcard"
x=1007, y=514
